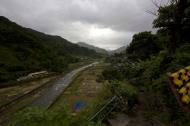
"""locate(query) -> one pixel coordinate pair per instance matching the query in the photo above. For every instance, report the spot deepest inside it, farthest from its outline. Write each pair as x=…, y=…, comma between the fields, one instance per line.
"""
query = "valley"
x=94, y=63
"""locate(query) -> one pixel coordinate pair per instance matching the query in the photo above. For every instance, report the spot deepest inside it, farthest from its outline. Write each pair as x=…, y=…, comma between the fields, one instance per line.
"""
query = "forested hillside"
x=97, y=49
x=24, y=50
x=118, y=50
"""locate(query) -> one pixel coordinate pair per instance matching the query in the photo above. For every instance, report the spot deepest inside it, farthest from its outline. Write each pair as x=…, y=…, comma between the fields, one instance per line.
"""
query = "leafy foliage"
x=127, y=91
x=143, y=46
x=111, y=73
x=174, y=19
x=153, y=57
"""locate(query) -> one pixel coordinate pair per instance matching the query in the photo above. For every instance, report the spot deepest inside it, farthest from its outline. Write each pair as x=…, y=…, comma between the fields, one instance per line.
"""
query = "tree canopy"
x=175, y=19
x=143, y=45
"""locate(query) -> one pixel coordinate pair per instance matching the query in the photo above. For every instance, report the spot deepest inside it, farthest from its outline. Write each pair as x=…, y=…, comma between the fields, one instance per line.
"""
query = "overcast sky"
x=105, y=23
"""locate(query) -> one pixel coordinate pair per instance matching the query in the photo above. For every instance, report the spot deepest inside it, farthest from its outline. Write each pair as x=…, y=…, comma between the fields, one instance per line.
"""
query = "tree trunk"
x=176, y=32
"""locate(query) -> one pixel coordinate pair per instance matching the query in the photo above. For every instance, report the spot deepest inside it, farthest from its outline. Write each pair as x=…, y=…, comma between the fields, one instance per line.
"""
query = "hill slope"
x=119, y=50
x=24, y=50
x=97, y=49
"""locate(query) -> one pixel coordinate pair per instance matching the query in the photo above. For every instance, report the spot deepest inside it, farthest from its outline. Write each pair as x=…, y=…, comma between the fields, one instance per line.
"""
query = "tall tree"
x=172, y=18
x=143, y=45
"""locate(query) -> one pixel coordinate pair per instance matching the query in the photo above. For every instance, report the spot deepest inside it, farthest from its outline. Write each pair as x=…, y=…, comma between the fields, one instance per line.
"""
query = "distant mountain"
x=23, y=50
x=97, y=49
x=119, y=50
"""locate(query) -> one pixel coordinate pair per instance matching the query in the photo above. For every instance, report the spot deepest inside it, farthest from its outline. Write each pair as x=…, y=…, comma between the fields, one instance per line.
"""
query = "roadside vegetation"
x=148, y=60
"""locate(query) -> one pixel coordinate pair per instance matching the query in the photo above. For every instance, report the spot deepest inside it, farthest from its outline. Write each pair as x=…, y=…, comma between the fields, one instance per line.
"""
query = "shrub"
x=126, y=90
x=111, y=73
x=38, y=117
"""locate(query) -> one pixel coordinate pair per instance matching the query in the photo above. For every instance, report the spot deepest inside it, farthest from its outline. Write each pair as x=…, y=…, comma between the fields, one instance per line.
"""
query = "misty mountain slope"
x=119, y=50
x=97, y=49
x=24, y=50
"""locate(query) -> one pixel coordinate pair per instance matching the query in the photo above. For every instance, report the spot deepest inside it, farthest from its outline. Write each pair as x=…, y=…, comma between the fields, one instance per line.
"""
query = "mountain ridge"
x=24, y=50
x=118, y=50
x=95, y=48
x=101, y=50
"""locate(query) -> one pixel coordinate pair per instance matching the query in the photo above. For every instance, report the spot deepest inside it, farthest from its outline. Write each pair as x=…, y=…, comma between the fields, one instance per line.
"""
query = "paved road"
x=49, y=94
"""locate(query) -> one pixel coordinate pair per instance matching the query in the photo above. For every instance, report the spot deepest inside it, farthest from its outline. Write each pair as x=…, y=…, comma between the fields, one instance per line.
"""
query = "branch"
x=155, y=3
x=160, y=3
x=151, y=12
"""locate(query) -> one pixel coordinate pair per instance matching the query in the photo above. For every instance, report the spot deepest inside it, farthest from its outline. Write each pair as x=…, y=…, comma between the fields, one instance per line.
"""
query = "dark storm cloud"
x=105, y=23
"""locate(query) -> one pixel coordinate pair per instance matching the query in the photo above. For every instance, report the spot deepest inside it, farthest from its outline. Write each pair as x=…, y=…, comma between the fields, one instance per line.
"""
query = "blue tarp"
x=80, y=105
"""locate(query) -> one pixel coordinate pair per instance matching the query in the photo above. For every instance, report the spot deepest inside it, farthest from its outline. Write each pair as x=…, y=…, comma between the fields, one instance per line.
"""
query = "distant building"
x=33, y=75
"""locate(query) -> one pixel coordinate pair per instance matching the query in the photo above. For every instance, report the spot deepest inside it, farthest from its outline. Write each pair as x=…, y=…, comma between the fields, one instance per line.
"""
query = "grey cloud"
x=105, y=23
x=117, y=14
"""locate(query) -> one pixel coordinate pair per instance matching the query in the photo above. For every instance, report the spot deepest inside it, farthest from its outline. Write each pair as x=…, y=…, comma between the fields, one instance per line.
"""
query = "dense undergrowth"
x=150, y=76
x=150, y=58
x=39, y=117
